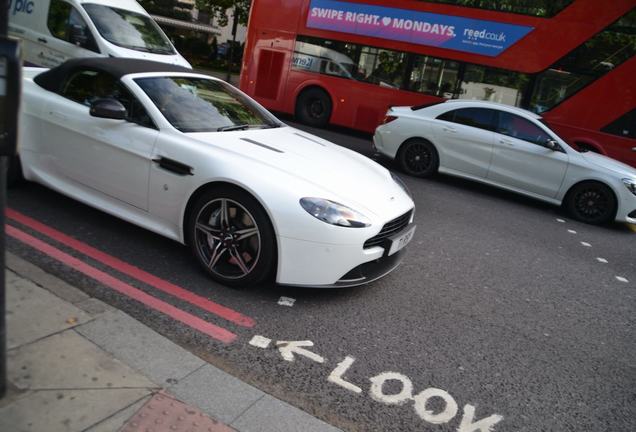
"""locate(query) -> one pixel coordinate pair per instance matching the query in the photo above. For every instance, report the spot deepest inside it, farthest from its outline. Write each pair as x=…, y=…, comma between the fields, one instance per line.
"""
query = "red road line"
x=132, y=271
x=190, y=320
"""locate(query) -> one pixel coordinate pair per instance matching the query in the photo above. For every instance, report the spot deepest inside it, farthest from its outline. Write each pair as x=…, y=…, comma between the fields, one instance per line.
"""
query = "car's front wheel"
x=230, y=234
x=418, y=157
x=591, y=202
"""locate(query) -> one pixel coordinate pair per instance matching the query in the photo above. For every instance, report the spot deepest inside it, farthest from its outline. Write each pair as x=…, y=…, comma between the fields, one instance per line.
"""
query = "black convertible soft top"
x=54, y=78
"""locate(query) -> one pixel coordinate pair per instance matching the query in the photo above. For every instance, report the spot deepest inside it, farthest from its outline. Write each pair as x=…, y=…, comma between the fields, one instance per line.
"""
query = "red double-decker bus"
x=346, y=62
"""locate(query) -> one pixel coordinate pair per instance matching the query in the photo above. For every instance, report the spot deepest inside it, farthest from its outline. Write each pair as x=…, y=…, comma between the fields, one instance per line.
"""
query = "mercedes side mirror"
x=108, y=108
x=552, y=145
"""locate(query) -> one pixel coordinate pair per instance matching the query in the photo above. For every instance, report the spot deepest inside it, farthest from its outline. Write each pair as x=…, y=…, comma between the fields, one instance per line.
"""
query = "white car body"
x=506, y=161
x=28, y=20
x=108, y=164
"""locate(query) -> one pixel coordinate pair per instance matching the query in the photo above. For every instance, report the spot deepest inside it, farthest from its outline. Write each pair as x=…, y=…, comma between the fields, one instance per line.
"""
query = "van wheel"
x=313, y=107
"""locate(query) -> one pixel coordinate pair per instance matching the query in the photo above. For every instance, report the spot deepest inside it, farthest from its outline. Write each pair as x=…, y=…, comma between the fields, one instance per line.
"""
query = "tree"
x=219, y=9
x=166, y=8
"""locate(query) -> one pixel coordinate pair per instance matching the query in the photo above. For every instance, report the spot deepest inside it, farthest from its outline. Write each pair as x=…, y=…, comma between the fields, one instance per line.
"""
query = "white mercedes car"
x=194, y=159
x=510, y=148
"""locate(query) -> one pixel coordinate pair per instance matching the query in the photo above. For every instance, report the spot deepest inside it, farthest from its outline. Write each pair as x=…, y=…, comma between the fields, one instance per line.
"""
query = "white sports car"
x=510, y=148
x=194, y=159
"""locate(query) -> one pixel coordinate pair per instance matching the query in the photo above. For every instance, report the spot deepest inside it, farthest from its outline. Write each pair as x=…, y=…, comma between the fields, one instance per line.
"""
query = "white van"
x=56, y=30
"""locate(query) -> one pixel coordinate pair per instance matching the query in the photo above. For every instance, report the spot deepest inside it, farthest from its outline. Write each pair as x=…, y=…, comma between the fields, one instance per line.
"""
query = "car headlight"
x=630, y=184
x=334, y=213
x=401, y=184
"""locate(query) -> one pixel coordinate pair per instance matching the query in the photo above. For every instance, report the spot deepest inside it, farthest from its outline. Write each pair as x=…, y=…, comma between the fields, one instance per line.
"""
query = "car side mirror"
x=78, y=35
x=552, y=145
x=109, y=108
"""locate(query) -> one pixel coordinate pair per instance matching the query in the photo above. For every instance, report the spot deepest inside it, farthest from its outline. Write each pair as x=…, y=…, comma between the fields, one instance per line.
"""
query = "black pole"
x=10, y=90
x=4, y=24
x=3, y=322
x=230, y=51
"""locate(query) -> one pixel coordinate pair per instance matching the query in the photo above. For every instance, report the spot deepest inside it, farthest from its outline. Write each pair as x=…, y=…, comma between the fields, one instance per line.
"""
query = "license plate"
x=401, y=240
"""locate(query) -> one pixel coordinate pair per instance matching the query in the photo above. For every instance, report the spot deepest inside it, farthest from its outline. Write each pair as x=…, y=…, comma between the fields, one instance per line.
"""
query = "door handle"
x=42, y=40
x=507, y=142
x=451, y=130
x=634, y=149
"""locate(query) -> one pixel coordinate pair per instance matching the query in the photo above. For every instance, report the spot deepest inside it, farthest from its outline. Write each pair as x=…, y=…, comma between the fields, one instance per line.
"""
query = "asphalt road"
x=505, y=315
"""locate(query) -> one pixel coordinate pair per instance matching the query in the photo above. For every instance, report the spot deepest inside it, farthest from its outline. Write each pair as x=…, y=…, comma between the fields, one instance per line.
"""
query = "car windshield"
x=204, y=105
x=129, y=29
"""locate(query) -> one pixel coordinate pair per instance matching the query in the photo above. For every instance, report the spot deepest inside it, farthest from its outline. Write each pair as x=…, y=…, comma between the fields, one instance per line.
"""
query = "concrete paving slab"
x=65, y=410
x=67, y=360
x=217, y=393
x=161, y=360
x=34, y=313
x=272, y=415
x=94, y=307
x=48, y=281
x=117, y=420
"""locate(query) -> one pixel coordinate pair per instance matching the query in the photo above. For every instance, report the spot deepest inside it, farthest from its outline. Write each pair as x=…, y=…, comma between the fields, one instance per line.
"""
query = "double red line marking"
x=190, y=320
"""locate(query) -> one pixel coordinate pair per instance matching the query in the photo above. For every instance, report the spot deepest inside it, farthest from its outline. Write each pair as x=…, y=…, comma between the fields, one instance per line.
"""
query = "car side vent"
x=389, y=228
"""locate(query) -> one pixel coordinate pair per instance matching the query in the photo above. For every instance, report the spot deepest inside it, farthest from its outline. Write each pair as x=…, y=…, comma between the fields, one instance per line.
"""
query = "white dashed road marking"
x=286, y=301
x=260, y=341
x=621, y=279
x=560, y=221
x=572, y=231
x=586, y=244
x=601, y=260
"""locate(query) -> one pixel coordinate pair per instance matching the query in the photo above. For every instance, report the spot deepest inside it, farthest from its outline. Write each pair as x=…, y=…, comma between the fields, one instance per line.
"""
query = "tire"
x=313, y=107
x=418, y=157
x=14, y=171
x=591, y=202
x=218, y=246
x=587, y=148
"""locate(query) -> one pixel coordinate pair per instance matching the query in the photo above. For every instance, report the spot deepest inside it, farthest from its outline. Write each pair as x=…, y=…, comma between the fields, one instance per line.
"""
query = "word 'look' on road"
x=288, y=350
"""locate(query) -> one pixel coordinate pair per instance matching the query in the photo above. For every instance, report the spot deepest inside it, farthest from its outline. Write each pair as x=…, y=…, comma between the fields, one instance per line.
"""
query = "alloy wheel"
x=228, y=239
x=417, y=158
x=592, y=203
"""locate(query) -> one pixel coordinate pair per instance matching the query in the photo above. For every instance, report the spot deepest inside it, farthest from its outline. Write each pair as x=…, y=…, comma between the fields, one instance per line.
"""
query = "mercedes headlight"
x=401, y=184
x=630, y=184
x=334, y=213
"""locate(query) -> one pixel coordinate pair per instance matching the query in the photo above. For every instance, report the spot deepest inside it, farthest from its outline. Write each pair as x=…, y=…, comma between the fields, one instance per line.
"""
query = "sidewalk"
x=76, y=364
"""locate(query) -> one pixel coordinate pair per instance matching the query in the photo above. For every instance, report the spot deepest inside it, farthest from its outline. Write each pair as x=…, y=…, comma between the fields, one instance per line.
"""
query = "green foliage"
x=166, y=8
x=219, y=9
x=527, y=7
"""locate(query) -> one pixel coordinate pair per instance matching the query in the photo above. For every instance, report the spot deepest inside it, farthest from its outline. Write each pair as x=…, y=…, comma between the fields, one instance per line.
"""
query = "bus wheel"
x=313, y=107
x=586, y=148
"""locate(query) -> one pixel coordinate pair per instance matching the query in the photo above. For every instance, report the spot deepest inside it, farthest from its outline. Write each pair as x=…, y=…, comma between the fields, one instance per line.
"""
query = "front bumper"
x=319, y=265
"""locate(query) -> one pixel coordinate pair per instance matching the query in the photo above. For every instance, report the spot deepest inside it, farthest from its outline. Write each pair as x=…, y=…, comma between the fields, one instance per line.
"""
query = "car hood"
x=345, y=175
x=610, y=164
